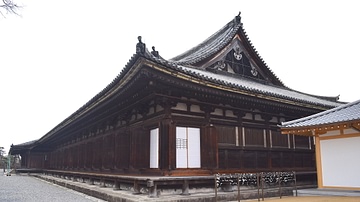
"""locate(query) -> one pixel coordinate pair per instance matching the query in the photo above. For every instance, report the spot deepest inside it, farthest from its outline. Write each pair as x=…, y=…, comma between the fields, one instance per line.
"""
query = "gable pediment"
x=229, y=51
x=235, y=59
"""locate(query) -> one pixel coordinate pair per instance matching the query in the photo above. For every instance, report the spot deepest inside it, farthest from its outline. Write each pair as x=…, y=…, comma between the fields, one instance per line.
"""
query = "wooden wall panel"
x=234, y=159
x=301, y=141
x=288, y=159
x=140, y=149
x=262, y=159
x=122, y=150
x=226, y=134
x=223, y=159
x=249, y=159
x=254, y=137
x=208, y=146
x=108, y=147
x=276, y=160
x=89, y=155
x=97, y=152
x=82, y=156
x=278, y=139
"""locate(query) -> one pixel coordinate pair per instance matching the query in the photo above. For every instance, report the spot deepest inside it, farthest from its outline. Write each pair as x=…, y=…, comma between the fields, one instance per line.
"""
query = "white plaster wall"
x=195, y=108
x=331, y=133
x=180, y=106
x=340, y=160
x=217, y=111
x=229, y=113
x=350, y=131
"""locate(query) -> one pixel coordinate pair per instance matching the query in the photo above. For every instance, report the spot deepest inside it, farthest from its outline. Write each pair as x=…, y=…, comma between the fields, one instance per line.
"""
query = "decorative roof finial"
x=154, y=52
x=140, y=46
x=238, y=18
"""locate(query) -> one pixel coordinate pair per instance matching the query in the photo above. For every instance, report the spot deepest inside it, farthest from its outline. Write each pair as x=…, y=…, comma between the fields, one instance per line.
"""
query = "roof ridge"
x=234, y=25
x=219, y=40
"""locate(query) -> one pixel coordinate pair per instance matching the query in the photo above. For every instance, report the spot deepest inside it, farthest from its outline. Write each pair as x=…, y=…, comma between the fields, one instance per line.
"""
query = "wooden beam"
x=304, y=131
x=356, y=126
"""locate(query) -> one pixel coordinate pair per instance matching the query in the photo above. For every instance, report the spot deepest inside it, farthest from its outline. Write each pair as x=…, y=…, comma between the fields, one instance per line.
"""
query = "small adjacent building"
x=213, y=109
x=337, y=144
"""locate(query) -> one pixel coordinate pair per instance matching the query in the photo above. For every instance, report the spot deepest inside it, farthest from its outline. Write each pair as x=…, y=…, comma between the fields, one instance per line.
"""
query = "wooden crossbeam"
x=356, y=126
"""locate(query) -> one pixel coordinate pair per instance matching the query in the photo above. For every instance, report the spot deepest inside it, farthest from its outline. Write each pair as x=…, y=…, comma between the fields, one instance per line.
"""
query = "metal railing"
x=275, y=179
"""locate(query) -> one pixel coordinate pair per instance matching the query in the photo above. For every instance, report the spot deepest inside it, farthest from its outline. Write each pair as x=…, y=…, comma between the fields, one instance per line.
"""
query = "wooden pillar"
x=318, y=160
x=268, y=140
x=167, y=155
x=28, y=159
x=209, y=141
x=167, y=144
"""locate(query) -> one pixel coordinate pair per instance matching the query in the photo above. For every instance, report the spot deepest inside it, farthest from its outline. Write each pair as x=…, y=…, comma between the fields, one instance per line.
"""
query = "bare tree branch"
x=9, y=7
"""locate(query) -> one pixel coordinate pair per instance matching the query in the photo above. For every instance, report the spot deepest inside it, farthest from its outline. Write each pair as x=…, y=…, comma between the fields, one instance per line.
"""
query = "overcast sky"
x=59, y=54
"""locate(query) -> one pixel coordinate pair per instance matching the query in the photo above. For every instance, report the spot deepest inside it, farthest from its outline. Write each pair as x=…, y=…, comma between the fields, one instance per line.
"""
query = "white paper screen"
x=188, y=147
x=154, y=148
x=194, y=148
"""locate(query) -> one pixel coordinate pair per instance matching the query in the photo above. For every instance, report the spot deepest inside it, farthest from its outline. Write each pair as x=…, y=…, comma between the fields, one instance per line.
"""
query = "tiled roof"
x=15, y=148
x=250, y=85
x=26, y=143
x=218, y=41
x=94, y=100
x=210, y=46
x=343, y=113
x=247, y=84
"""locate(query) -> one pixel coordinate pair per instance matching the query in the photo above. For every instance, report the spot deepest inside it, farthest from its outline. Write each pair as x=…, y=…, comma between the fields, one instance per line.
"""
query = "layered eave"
x=14, y=149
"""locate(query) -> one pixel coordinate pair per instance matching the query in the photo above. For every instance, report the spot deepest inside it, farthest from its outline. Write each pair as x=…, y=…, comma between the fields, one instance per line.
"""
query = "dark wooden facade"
x=215, y=108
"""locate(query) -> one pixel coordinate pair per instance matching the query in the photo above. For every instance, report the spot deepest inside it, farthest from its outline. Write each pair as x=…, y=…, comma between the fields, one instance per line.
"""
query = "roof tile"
x=343, y=113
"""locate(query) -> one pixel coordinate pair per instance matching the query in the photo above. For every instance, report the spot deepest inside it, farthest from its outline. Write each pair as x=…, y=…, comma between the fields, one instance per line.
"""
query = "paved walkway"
x=312, y=199
x=328, y=192
x=22, y=188
x=29, y=188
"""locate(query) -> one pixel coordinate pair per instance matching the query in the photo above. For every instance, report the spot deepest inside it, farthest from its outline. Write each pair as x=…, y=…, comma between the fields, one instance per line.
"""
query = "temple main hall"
x=212, y=109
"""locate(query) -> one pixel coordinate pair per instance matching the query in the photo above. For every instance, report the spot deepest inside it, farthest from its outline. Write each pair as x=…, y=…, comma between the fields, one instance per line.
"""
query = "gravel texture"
x=21, y=188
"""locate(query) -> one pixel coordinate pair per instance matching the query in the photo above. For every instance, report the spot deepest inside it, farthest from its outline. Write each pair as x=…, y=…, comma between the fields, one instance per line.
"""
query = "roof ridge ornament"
x=238, y=18
x=140, y=46
x=154, y=52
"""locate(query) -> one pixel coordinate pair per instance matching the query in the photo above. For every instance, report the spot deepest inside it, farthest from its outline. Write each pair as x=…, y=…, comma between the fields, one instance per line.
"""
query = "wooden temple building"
x=213, y=109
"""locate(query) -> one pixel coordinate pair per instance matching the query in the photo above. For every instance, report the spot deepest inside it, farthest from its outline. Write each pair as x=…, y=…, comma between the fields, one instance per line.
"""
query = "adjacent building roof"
x=344, y=113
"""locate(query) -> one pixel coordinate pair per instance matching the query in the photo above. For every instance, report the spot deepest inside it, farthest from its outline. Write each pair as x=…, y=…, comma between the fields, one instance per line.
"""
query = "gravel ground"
x=21, y=188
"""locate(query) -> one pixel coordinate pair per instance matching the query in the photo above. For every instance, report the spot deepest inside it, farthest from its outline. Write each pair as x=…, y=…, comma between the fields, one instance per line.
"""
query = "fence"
x=227, y=181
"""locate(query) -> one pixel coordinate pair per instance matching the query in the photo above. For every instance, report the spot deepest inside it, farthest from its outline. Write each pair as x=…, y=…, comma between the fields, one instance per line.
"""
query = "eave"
x=208, y=82
x=321, y=129
x=119, y=82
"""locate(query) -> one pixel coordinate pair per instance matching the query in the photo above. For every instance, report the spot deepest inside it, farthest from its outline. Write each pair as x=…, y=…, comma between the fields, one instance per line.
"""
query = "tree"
x=2, y=151
x=9, y=7
x=2, y=158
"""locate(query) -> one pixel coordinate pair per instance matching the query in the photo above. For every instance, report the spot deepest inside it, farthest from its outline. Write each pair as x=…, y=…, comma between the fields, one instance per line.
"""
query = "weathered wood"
x=209, y=152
